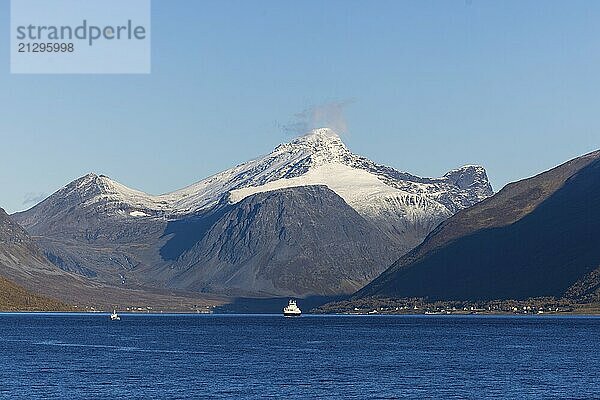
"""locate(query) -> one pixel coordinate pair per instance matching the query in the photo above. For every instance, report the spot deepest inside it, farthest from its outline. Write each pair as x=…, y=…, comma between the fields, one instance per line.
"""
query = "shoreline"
x=319, y=314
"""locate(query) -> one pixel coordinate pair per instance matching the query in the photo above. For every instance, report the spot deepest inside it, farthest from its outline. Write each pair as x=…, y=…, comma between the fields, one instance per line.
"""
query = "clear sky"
x=425, y=86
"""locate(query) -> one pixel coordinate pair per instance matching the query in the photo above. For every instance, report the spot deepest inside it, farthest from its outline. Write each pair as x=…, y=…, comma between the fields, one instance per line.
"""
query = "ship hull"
x=291, y=314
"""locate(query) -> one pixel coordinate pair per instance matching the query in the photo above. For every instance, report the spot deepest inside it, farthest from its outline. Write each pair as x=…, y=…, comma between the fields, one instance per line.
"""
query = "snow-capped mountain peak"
x=318, y=158
x=288, y=160
x=93, y=187
x=322, y=145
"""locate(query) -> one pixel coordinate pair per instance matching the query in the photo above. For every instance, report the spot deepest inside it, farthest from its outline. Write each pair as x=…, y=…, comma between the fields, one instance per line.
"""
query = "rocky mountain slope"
x=537, y=237
x=20, y=257
x=30, y=282
x=101, y=229
x=26, y=275
x=259, y=246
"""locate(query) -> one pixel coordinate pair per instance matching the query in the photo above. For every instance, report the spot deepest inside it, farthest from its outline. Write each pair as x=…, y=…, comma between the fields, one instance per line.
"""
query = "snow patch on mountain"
x=138, y=214
x=357, y=187
x=349, y=183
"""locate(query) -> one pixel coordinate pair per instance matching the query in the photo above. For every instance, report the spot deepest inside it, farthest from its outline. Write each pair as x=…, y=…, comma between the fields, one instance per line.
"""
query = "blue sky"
x=425, y=86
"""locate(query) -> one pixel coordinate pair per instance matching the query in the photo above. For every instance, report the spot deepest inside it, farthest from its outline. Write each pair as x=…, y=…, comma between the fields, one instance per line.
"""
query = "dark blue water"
x=145, y=356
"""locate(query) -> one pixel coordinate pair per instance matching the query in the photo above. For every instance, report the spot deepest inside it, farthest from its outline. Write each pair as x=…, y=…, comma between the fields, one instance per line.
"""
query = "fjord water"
x=258, y=356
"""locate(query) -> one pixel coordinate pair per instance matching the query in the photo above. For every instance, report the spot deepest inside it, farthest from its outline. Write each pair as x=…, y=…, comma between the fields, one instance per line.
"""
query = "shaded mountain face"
x=19, y=255
x=296, y=241
x=101, y=229
x=30, y=282
x=537, y=237
x=22, y=263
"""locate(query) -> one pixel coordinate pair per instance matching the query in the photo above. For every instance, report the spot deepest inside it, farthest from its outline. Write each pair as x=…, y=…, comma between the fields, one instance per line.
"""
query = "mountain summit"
x=99, y=227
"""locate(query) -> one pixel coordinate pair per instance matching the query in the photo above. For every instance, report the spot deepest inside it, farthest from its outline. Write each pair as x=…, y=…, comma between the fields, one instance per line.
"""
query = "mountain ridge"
x=106, y=231
x=288, y=160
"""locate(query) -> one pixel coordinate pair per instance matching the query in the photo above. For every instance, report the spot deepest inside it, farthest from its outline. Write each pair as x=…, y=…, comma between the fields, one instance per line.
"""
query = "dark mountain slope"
x=296, y=241
x=536, y=237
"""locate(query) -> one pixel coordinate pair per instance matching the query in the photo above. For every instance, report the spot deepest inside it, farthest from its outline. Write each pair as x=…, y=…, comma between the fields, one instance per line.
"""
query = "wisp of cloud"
x=330, y=115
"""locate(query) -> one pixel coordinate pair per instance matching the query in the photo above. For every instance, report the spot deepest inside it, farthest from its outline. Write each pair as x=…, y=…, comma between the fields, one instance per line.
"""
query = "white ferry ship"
x=292, y=310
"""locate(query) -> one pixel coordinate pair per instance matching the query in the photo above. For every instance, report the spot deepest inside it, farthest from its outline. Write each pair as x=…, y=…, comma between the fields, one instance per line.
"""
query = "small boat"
x=114, y=316
x=292, y=310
